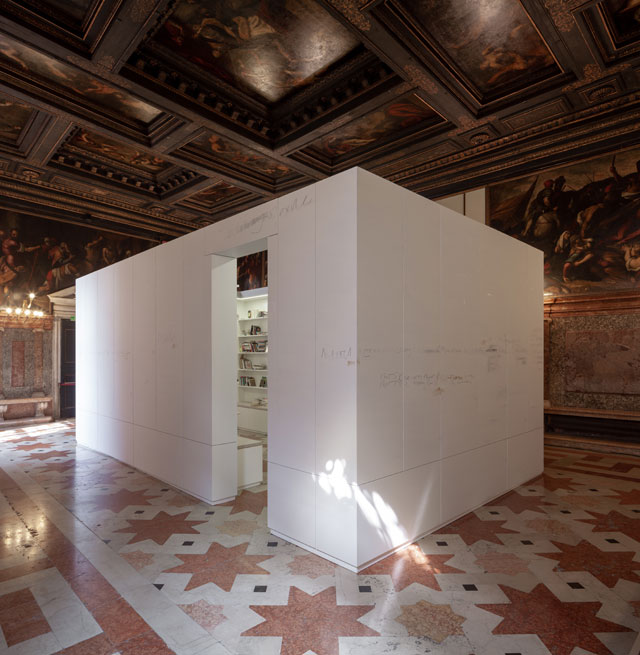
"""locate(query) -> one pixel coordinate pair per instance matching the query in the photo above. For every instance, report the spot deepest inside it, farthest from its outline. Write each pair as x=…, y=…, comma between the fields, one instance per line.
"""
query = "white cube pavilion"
x=405, y=364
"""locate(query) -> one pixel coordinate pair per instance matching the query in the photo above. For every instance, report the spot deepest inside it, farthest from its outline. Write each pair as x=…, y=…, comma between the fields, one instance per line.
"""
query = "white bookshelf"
x=253, y=335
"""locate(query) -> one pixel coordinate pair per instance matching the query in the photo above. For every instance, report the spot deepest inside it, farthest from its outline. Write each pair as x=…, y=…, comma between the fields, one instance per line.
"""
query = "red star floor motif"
x=311, y=622
x=58, y=467
x=615, y=522
x=518, y=503
x=473, y=529
x=553, y=484
x=50, y=454
x=160, y=527
x=608, y=567
x=33, y=446
x=412, y=565
x=219, y=565
x=248, y=501
x=628, y=497
x=560, y=626
x=121, y=499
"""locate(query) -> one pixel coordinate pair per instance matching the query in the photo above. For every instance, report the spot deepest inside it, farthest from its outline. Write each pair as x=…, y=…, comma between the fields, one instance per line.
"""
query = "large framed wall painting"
x=585, y=217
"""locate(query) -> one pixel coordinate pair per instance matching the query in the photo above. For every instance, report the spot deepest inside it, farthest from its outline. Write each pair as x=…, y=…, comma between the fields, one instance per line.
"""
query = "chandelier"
x=25, y=311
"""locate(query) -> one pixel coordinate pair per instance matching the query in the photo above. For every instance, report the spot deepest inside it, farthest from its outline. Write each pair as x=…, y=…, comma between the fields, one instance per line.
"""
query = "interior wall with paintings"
x=40, y=256
x=585, y=217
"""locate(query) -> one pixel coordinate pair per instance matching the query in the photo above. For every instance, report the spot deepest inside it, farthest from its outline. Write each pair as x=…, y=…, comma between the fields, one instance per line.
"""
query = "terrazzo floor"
x=97, y=558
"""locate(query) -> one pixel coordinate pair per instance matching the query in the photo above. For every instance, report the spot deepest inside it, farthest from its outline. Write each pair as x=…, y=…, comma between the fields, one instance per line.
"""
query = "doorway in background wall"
x=67, y=368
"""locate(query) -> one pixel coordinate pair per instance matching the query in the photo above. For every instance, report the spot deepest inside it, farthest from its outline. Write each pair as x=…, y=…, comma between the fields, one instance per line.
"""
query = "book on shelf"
x=254, y=346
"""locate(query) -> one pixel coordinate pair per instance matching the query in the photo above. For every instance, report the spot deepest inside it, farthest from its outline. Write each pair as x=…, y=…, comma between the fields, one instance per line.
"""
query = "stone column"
x=38, y=363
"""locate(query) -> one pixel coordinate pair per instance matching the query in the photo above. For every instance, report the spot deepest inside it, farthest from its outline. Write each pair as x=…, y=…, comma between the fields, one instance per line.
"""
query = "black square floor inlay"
x=164, y=490
x=130, y=472
x=526, y=542
x=470, y=587
x=513, y=654
x=139, y=511
x=441, y=543
x=260, y=587
x=157, y=585
x=565, y=511
x=106, y=541
x=593, y=490
x=187, y=543
x=494, y=512
x=575, y=585
x=364, y=588
x=271, y=544
x=209, y=513
x=637, y=511
x=613, y=541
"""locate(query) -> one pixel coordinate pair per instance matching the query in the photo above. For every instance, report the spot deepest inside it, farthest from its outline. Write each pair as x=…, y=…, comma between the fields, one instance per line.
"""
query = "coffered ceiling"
x=156, y=117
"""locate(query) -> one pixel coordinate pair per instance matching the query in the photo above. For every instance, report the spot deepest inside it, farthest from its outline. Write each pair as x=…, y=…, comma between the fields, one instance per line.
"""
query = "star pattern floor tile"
x=97, y=558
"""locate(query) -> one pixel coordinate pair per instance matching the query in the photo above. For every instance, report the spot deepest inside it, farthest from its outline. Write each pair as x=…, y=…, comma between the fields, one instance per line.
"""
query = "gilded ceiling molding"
x=418, y=77
x=11, y=187
x=350, y=9
x=540, y=149
x=560, y=14
x=140, y=10
x=465, y=123
x=592, y=73
x=101, y=69
x=451, y=177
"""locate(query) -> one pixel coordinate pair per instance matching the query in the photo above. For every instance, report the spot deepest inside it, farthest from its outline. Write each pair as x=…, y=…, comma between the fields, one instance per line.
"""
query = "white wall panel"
x=87, y=371
x=277, y=400
x=422, y=395
x=115, y=438
x=87, y=428
x=223, y=463
x=525, y=457
x=291, y=495
x=106, y=342
x=336, y=526
x=144, y=339
x=169, y=338
x=292, y=442
x=472, y=478
x=196, y=362
x=380, y=327
x=336, y=325
x=153, y=454
x=248, y=226
x=397, y=509
x=223, y=343
x=123, y=341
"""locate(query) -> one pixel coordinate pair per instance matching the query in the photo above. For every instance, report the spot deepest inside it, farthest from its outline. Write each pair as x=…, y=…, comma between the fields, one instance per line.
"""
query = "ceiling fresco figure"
x=387, y=120
x=13, y=118
x=117, y=151
x=493, y=42
x=232, y=152
x=269, y=48
x=82, y=84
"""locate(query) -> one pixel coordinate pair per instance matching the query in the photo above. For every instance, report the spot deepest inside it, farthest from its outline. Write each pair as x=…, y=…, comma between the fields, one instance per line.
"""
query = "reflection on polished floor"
x=97, y=558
